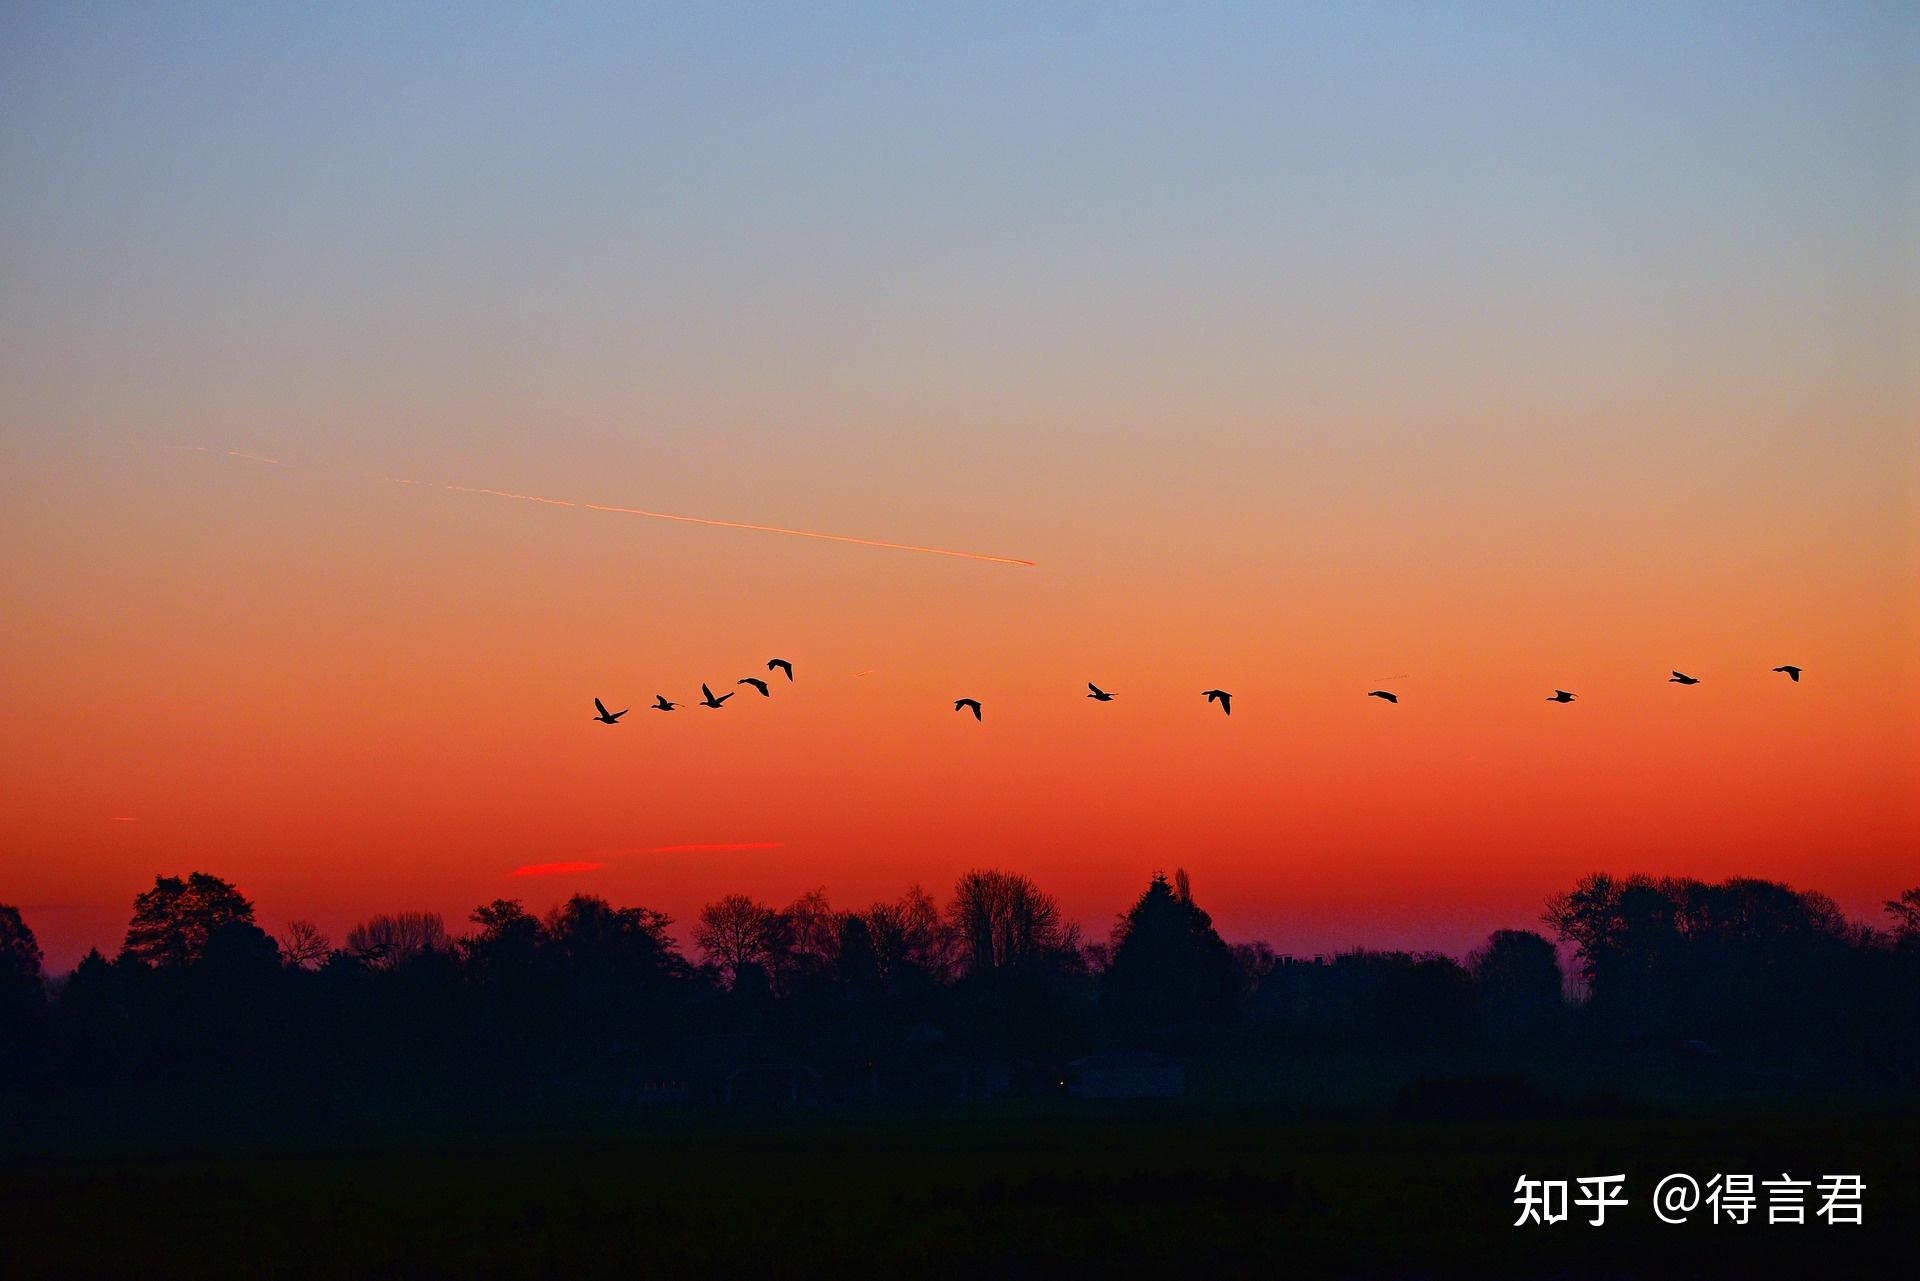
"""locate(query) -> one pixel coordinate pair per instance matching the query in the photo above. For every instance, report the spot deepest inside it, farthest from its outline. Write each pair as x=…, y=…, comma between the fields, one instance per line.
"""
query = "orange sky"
x=1464, y=362
x=292, y=679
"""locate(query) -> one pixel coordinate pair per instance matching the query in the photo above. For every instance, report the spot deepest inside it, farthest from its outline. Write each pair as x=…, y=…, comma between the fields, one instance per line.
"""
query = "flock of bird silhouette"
x=1220, y=696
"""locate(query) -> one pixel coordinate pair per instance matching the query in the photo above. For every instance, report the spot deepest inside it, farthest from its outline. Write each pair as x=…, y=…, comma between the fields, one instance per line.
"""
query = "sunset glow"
x=1469, y=357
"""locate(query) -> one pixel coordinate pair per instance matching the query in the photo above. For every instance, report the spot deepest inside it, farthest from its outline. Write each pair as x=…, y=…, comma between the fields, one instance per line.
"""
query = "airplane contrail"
x=650, y=515
x=722, y=524
x=808, y=533
x=230, y=453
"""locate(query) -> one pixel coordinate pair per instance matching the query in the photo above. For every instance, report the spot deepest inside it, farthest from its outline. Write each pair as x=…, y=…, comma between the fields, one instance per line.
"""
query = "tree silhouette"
x=1517, y=976
x=509, y=940
x=594, y=1000
x=89, y=978
x=93, y=1012
x=384, y=942
x=1423, y=1001
x=173, y=921
x=1169, y=965
x=856, y=965
x=22, y=994
x=908, y=934
x=592, y=936
x=812, y=937
x=1255, y=960
x=1680, y=957
x=303, y=946
x=736, y=931
x=240, y=948
x=1002, y=921
x=1905, y=912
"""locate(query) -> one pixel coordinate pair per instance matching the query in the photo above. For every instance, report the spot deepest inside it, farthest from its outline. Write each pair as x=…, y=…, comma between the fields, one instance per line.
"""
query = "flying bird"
x=606, y=717
x=1559, y=696
x=1793, y=673
x=1381, y=693
x=960, y=704
x=1681, y=678
x=1221, y=697
x=758, y=684
x=1099, y=695
x=710, y=700
x=660, y=703
x=782, y=664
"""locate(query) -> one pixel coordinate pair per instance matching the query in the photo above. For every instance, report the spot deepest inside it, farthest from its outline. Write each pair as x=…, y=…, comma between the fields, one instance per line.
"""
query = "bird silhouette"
x=606, y=717
x=1221, y=697
x=1099, y=695
x=1381, y=693
x=660, y=703
x=710, y=700
x=782, y=664
x=1559, y=696
x=1793, y=673
x=1681, y=678
x=758, y=684
x=973, y=703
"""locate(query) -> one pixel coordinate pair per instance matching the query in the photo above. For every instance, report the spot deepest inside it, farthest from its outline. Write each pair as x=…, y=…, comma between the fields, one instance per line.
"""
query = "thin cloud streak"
x=556, y=869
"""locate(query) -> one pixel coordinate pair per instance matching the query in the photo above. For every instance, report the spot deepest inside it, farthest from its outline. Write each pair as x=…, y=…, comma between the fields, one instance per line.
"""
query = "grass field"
x=1048, y=1190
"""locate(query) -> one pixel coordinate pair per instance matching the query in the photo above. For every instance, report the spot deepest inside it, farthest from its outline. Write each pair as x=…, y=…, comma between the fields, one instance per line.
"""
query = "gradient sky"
x=1466, y=351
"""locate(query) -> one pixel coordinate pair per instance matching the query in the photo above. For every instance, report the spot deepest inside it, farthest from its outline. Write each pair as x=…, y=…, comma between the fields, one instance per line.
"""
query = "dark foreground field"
x=1056, y=1190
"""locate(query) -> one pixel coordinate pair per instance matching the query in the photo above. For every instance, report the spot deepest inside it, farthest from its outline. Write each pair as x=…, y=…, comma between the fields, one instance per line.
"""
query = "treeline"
x=598, y=1004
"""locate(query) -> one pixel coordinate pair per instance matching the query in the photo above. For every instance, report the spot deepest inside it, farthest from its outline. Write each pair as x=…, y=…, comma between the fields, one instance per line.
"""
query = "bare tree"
x=736, y=931
x=1003, y=920
x=303, y=946
x=909, y=932
x=383, y=941
x=813, y=933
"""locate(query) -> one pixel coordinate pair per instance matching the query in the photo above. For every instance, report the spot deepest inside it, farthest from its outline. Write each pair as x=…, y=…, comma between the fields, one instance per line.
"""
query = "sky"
x=1465, y=351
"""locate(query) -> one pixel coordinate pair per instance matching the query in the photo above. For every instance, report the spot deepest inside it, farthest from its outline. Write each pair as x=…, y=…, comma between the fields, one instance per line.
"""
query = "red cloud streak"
x=555, y=869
